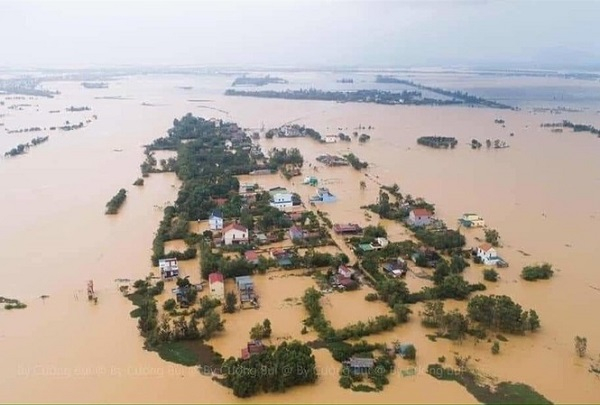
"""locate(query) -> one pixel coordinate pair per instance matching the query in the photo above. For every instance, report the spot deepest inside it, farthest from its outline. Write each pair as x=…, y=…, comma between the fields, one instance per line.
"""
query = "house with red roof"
x=251, y=256
x=216, y=284
x=235, y=234
x=419, y=217
x=488, y=254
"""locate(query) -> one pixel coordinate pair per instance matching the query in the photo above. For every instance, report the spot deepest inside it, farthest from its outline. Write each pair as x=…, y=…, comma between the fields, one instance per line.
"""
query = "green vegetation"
x=364, y=138
x=371, y=297
x=355, y=162
x=492, y=237
x=440, y=239
x=274, y=370
x=490, y=275
x=537, y=272
x=11, y=303
x=139, y=182
x=23, y=148
x=502, y=393
x=580, y=346
x=261, y=331
x=574, y=127
x=438, y=142
x=169, y=304
x=499, y=312
x=230, y=302
x=112, y=207
x=496, y=347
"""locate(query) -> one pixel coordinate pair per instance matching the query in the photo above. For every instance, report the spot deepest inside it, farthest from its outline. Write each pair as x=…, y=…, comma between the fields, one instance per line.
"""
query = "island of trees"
x=359, y=96
x=458, y=97
x=112, y=207
x=438, y=142
x=24, y=147
x=575, y=127
x=257, y=81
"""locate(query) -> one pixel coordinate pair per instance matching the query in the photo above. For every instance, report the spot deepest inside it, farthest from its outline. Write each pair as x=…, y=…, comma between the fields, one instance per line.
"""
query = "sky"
x=82, y=33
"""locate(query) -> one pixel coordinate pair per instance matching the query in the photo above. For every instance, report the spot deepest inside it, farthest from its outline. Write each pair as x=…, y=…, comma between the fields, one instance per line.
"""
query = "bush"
x=442, y=359
x=496, y=347
x=371, y=297
x=139, y=182
x=411, y=352
x=539, y=272
x=490, y=275
x=169, y=304
x=345, y=381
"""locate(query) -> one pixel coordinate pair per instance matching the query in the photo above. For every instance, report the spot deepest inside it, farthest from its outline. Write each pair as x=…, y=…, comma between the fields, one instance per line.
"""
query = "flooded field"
x=542, y=194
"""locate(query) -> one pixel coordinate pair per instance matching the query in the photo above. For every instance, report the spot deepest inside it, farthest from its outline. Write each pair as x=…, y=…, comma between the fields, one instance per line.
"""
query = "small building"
x=397, y=268
x=471, y=221
x=404, y=349
x=282, y=200
x=169, y=268
x=331, y=138
x=253, y=347
x=347, y=229
x=419, y=217
x=346, y=271
x=215, y=220
x=235, y=234
x=428, y=256
x=323, y=196
x=359, y=365
x=488, y=254
x=216, y=285
x=248, y=188
x=261, y=238
x=380, y=243
x=251, y=256
x=311, y=181
x=296, y=233
x=365, y=247
x=283, y=257
x=245, y=287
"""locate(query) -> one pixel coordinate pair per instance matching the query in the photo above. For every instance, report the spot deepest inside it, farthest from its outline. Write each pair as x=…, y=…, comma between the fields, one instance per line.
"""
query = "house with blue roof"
x=215, y=220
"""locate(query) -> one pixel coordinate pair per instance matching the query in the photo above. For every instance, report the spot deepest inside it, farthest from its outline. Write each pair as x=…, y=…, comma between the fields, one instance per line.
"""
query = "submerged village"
x=229, y=236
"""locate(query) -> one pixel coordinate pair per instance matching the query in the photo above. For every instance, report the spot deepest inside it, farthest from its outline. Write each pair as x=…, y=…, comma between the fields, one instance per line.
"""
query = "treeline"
x=355, y=162
x=112, y=207
x=457, y=96
x=274, y=370
x=23, y=148
x=575, y=127
x=359, y=96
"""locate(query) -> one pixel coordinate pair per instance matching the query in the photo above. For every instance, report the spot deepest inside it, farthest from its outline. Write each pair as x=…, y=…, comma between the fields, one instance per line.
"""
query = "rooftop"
x=422, y=212
x=235, y=226
x=485, y=247
x=215, y=277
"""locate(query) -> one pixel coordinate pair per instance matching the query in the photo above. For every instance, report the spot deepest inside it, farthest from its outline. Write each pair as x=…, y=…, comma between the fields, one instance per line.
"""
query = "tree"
x=496, y=347
x=411, y=352
x=169, y=304
x=490, y=275
x=492, y=237
x=580, y=346
x=538, y=272
x=363, y=185
x=212, y=323
x=534, y=320
x=455, y=325
x=453, y=286
x=267, y=328
x=230, y=302
x=433, y=314
x=402, y=312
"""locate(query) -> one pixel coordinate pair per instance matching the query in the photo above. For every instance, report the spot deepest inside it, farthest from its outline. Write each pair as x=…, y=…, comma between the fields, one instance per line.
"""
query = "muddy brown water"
x=542, y=194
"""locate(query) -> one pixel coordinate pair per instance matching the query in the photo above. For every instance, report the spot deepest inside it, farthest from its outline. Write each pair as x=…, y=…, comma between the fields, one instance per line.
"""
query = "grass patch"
x=189, y=353
x=504, y=393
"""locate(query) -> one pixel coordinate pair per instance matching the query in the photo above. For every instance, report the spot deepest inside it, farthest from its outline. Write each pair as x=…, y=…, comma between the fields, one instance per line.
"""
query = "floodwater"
x=542, y=194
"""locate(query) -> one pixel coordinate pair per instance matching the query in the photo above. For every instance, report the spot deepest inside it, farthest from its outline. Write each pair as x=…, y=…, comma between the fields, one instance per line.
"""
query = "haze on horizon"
x=54, y=34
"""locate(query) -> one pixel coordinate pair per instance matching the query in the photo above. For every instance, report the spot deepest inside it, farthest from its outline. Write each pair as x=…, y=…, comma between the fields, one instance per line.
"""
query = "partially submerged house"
x=282, y=200
x=251, y=257
x=377, y=244
x=397, y=268
x=235, y=234
x=245, y=287
x=252, y=348
x=488, y=254
x=471, y=221
x=215, y=220
x=311, y=181
x=323, y=196
x=347, y=229
x=419, y=217
x=283, y=257
x=296, y=233
x=169, y=268
x=216, y=284
x=346, y=271
x=359, y=365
